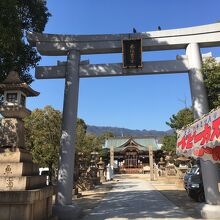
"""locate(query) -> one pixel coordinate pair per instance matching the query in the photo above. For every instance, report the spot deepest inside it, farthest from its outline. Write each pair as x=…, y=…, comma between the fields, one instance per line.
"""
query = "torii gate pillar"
x=64, y=208
x=200, y=107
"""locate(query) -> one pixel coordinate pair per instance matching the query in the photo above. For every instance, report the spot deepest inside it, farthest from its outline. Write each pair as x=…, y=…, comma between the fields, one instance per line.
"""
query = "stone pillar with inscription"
x=151, y=160
x=23, y=193
x=112, y=161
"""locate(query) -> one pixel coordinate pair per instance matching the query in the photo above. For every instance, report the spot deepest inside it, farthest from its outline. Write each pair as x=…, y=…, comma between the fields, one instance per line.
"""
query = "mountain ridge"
x=119, y=132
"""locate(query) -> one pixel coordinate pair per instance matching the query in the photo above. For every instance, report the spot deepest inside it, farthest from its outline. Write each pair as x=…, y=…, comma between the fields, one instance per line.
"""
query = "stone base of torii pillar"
x=208, y=211
x=67, y=212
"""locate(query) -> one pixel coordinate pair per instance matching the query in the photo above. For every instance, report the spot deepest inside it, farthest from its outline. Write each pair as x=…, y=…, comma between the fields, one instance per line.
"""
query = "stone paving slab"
x=135, y=199
x=179, y=197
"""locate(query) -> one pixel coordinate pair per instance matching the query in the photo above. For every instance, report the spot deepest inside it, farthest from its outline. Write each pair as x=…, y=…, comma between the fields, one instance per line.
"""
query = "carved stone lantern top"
x=14, y=83
x=94, y=156
x=12, y=78
x=15, y=93
x=101, y=164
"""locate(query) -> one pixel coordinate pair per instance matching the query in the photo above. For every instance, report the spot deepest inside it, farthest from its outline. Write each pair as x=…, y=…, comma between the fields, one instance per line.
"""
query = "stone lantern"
x=82, y=164
x=13, y=109
x=94, y=158
x=161, y=165
x=101, y=168
x=93, y=168
x=17, y=170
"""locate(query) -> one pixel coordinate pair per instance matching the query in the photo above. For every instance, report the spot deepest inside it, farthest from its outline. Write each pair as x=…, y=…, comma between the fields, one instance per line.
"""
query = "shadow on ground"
x=137, y=198
x=133, y=206
x=181, y=199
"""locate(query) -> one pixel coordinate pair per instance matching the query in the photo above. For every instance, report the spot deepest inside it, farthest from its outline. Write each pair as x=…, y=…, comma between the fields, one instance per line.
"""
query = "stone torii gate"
x=72, y=46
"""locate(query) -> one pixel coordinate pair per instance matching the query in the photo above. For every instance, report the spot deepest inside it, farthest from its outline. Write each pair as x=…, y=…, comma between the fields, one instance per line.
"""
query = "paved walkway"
x=135, y=199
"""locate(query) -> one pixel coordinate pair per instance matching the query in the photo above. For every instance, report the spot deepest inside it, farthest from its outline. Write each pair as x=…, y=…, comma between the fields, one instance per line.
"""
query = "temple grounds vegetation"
x=43, y=132
x=16, y=18
x=211, y=75
x=177, y=121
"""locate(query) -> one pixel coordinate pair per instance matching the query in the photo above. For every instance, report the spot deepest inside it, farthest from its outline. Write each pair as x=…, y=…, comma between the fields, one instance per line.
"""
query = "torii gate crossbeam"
x=116, y=69
x=60, y=45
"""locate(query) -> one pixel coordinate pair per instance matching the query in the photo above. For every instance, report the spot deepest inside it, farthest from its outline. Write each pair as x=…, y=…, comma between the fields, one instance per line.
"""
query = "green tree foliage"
x=177, y=121
x=43, y=132
x=211, y=74
x=169, y=143
x=92, y=143
x=181, y=119
x=17, y=17
x=86, y=143
x=80, y=134
x=105, y=136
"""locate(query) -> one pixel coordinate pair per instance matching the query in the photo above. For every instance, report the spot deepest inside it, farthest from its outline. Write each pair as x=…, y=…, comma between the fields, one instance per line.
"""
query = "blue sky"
x=136, y=102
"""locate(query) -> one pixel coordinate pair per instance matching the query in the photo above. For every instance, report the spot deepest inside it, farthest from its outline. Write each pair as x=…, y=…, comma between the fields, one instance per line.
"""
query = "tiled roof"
x=142, y=142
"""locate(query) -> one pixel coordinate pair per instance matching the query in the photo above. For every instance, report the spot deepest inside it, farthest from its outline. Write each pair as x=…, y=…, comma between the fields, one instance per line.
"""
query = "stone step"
x=11, y=183
x=18, y=169
x=15, y=155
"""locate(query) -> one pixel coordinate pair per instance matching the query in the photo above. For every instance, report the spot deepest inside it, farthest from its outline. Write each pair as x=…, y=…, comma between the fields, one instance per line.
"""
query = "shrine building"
x=131, y=152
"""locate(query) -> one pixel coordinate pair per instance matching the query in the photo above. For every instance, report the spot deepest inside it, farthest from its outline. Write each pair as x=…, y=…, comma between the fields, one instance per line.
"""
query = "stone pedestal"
x=14, y=155
x=93, y=175
x=102, y=176
x=33, y=204
x=209, y=211
x=23, y=193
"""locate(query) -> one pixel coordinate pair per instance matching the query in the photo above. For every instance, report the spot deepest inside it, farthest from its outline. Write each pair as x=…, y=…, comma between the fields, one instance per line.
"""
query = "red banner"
x=202, y=138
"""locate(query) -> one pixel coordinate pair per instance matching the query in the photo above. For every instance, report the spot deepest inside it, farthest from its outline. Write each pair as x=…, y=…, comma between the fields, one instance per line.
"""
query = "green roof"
x=122, y=142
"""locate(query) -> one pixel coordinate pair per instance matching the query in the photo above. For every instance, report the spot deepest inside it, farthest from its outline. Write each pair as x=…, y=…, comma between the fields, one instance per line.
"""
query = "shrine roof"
x=142, y=143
